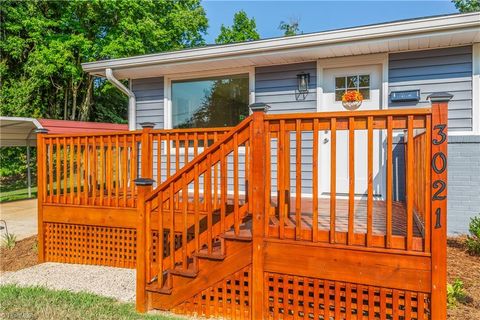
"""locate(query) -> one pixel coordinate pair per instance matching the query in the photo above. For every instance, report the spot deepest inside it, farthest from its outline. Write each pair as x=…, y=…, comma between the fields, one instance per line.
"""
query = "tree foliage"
x=243, y=29
x=467, y=5
x=43, y=44
x=290, y=28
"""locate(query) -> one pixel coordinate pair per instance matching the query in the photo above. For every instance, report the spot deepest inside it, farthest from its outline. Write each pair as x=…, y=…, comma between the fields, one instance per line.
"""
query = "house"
x=434, y=54
x=282, y=203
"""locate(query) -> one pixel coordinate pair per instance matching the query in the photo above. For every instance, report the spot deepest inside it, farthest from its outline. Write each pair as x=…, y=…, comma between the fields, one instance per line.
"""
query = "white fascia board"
x=427, y=25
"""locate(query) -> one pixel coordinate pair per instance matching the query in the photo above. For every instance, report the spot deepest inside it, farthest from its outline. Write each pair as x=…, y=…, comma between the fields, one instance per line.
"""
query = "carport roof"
x=17, y=131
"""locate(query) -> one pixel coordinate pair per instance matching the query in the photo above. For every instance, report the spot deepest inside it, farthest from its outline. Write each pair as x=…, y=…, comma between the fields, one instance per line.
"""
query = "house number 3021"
x=439, y=165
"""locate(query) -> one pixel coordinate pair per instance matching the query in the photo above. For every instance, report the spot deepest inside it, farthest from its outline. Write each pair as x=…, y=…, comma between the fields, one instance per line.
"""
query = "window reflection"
x=212, y=102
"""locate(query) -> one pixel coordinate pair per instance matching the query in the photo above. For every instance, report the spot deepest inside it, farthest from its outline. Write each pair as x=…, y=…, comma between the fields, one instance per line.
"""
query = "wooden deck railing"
x=99, y=169
x=196, y=204
x=355, y=219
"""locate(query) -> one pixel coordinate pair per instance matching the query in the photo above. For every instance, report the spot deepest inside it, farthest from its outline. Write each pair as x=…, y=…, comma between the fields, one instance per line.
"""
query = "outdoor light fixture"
x=303, y=80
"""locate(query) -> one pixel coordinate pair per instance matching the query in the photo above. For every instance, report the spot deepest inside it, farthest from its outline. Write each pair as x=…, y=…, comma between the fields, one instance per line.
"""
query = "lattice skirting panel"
x=82, y=244
x=228, y=299
x=292, y=297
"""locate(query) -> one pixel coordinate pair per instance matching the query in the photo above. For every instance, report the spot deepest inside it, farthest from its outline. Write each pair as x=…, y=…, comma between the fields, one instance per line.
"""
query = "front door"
x=366, y=79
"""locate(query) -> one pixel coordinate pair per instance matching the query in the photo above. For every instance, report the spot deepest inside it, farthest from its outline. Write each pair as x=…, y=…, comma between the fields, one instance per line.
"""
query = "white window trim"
x=167, y=86
x=475, y=89
x=353, y=61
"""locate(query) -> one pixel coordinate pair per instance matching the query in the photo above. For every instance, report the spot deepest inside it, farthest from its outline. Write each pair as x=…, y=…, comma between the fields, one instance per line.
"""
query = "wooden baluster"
x=109, y=170
x=117, y=171
x=186, y=142
x=410, y=182
x=85, y=172
x=172, y=226
x=235, y=186
x=65, y=176
x=205, y=142
x=50, y=170
x=223, y=187
x=177, y=152
x=268, y=174
x=79, y=170
x=185, y=222
x=195, y=144
x=351, y=179
x=161, y=240
x=333, y=178
x=102, y=170
x=58, y=177
x=125, y=169
x=134, y=164
x=94, y=170
x=208, y=200
x=370, y=181
x=72, y=175
x=280, y=178
x=298, y=179
x=286, y=176
x=315, y=191
x=148, y=240
x=389, y=180
x=159, y=159
x=169, y=146
x=196, y=206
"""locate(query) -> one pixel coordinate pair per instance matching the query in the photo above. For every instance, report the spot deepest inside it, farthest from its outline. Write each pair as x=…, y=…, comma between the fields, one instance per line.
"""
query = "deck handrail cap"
x=144, y=181
x=440, y=97
x=259, y=106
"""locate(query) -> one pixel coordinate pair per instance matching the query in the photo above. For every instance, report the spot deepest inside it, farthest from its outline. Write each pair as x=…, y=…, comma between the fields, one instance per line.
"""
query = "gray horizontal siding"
x=439, y=70
x=149, y=95
x=277, y=87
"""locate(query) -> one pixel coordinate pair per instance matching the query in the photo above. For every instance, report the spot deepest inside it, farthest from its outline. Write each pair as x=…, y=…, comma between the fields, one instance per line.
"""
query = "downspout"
x=131, y=98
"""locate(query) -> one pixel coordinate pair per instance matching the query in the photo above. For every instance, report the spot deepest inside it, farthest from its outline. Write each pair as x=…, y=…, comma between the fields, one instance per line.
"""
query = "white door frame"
x=354, y=61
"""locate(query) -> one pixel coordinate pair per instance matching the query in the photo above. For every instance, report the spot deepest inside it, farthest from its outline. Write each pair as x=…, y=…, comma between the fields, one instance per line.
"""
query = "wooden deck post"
x=144, y=185
x=258, y=166
x=41, y=176
x=439, y=203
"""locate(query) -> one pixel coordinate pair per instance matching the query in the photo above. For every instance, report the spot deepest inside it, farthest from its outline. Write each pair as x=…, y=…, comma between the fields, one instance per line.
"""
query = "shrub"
x=9, y=240
x=473, y=240
x=455, y=293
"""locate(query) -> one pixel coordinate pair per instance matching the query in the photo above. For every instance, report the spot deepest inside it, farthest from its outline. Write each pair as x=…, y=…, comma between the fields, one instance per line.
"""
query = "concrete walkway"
x=21, y=217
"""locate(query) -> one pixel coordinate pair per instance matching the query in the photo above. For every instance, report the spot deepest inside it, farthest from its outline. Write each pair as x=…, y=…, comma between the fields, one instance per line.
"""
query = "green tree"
x=43, y=44
x=467, y=5
x=290, y=28
x=243, y=29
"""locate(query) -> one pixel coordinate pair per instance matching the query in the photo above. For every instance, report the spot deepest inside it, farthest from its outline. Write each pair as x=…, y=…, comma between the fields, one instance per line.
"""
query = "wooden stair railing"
x=202, y=203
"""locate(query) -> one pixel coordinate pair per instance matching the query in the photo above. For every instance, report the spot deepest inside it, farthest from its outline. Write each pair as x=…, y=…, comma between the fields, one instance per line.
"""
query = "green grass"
x=18, y=194
x=43, y=304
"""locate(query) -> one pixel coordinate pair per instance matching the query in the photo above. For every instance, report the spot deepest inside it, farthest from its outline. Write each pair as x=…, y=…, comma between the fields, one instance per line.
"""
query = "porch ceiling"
x=417, y=34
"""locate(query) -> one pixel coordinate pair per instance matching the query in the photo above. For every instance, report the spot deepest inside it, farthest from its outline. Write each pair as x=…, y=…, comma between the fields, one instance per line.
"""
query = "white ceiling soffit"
x=16, y=131
x=416, y=34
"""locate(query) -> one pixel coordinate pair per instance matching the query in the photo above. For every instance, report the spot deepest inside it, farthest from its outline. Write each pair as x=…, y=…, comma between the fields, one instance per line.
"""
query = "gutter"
x=131, y=98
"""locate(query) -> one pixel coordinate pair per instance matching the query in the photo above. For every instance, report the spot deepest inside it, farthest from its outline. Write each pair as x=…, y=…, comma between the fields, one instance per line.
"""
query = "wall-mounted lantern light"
x=303, y=81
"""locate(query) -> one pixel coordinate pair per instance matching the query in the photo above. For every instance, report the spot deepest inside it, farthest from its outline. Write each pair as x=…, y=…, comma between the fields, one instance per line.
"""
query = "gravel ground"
x=111, y=282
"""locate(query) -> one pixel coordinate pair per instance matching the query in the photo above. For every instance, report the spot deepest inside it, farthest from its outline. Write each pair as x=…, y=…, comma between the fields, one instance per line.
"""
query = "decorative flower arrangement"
x=352, y=99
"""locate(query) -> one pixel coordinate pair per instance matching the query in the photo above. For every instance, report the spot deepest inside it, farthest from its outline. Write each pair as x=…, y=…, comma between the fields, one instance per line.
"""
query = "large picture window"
x=211, y=102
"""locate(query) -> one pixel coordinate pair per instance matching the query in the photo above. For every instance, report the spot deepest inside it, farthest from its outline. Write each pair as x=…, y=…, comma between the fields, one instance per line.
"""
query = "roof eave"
x=372, y=32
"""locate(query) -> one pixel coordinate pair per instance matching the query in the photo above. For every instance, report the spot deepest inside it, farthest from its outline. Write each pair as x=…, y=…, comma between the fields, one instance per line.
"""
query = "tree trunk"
x=74, y=104
x=65, y=103
x=85, y=109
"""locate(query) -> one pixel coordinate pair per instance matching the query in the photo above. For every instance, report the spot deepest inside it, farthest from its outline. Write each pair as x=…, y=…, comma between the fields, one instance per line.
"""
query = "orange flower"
x=351, y=96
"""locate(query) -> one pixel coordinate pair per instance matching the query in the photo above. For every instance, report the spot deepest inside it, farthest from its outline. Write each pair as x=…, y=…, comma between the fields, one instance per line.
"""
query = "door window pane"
x=358, y=82
x=212, y=102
